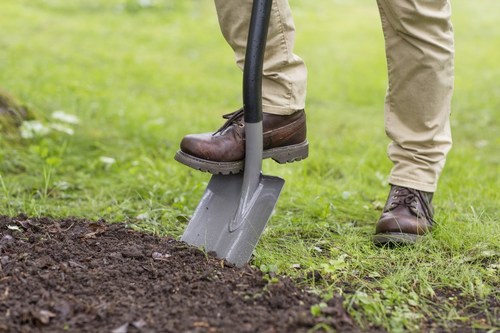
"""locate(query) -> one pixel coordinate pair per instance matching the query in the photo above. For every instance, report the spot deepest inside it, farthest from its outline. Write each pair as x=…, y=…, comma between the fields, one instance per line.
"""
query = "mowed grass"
x=138, y=78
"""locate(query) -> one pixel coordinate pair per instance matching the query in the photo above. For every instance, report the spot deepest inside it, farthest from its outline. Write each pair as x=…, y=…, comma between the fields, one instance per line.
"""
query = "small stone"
x=121, y=329
x=7, y=239
x=74, y=264
x=139, y=323
x=43, y=316
x=160, y=256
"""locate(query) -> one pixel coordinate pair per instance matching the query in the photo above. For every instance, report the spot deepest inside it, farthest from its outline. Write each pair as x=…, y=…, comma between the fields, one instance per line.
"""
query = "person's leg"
x=283, y=96
x=285, y=74
x=420, y=51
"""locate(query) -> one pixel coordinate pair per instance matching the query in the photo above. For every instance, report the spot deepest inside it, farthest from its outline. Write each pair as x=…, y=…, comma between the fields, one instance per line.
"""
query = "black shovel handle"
x=254, y=59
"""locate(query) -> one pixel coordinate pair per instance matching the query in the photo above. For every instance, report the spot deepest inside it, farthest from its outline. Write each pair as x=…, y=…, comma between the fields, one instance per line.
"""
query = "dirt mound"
x=78, y=276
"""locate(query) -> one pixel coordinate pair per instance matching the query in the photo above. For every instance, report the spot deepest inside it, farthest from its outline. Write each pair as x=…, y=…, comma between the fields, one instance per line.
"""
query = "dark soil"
x=77, y=276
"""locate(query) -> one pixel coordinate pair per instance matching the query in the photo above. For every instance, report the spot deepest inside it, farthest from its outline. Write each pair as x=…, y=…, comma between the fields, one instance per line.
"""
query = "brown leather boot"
x=406, y=217
x=223, y=152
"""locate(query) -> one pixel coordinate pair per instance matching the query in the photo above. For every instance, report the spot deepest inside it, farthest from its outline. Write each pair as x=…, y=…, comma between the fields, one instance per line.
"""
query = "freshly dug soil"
x=78, y=276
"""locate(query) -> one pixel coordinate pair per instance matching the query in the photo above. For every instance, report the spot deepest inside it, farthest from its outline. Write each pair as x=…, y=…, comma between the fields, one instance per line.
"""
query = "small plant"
x=316, y=309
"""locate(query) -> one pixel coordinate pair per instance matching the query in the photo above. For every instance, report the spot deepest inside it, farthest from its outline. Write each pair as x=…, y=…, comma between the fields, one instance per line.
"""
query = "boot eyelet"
x=241, y=125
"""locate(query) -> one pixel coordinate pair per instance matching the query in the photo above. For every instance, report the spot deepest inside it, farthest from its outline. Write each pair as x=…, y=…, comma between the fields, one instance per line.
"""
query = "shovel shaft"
x=254, y=59
x=252, y=104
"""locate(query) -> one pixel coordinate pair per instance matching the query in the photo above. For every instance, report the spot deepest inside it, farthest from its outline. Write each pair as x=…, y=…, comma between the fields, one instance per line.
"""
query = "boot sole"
x=395, y=238
x=282, y=155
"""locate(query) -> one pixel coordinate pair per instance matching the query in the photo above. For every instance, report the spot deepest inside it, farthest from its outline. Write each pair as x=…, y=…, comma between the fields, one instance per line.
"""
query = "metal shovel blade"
x=214, y=226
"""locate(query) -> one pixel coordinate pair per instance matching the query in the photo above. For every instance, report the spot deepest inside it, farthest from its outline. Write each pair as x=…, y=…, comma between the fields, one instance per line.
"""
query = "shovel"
x=234, y=209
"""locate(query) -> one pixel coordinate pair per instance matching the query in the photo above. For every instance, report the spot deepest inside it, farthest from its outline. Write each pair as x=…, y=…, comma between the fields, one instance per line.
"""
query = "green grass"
x=139, y=79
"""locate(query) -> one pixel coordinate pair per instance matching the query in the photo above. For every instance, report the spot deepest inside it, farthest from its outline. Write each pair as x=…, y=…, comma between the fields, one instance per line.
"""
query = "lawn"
x=115, y=84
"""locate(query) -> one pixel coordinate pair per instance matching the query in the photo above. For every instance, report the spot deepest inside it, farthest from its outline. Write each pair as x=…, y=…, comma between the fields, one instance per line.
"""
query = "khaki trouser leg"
x=419, y=48
x=285, y=74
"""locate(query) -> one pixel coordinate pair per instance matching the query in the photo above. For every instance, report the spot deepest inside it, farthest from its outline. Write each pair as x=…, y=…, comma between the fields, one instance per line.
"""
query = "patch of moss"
x=12, y=112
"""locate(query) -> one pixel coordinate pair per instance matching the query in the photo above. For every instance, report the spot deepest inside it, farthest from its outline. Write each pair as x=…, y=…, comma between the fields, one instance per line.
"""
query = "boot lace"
x=410, y=198
x=235, y=117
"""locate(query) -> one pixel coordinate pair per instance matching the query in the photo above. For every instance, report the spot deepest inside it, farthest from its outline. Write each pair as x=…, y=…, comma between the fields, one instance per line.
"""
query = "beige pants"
x=419, y=49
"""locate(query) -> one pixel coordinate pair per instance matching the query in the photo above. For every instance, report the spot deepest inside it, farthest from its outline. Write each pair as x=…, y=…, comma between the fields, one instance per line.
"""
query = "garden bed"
x=82, y=276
